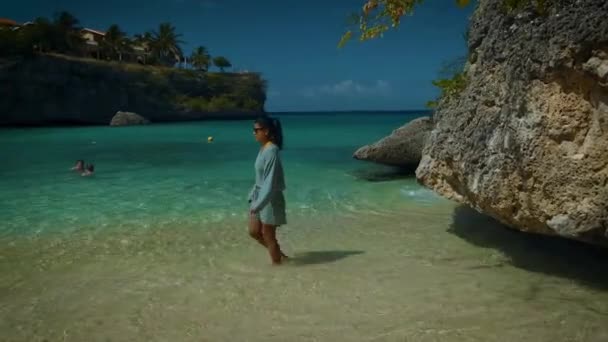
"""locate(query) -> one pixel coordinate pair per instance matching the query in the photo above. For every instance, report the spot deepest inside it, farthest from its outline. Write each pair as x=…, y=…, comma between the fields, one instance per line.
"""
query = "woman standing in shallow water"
x=266, y=200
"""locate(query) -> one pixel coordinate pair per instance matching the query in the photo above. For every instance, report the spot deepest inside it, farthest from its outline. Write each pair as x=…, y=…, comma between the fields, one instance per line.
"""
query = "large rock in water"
x=527, y=140
x=403, y=148
x=127, y=119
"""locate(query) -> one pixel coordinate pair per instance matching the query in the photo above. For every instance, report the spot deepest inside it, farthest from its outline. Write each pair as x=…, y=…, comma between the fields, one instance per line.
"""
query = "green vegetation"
x=222, y=63
x=155, y=61
x=226, y=92
x=450, y=88
x=65, y=35
x=222, y=103
x=116, y=43
x=43, y=35
x=200, y=59
x=378, y=16
x=165, y=44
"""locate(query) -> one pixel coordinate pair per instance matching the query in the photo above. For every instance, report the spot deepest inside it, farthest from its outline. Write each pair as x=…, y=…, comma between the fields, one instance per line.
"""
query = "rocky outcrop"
x=527, y=141
x=56, y=89
x=127, y=119
x=403, y=148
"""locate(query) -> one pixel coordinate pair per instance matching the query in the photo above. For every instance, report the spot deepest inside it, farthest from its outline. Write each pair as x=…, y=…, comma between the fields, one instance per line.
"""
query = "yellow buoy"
x=209, y=139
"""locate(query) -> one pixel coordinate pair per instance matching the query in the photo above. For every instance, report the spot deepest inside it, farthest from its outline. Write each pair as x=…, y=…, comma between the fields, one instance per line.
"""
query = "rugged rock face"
x=127, y=119
x=49, y=89
x=403, y=148
x=527, y=141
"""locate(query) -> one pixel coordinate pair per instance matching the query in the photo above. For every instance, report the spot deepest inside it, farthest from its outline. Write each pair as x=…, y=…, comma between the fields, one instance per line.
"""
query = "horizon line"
x=353, y=111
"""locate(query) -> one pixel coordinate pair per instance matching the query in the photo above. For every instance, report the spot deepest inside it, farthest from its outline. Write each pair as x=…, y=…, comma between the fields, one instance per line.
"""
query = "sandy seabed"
x=428, y=273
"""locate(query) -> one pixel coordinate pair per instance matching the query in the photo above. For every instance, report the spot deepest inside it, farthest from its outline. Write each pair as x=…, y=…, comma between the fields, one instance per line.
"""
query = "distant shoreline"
x=237, y=118
x=356, y=112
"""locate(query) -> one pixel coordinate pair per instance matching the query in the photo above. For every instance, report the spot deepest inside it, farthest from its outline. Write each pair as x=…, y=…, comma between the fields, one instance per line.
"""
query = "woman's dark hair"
x=275, y=131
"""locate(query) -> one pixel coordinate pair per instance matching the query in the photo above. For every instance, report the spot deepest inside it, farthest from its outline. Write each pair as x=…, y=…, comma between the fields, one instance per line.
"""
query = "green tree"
x=166, y=44
x=66, y=21
x=39, y=37
x=115, y=42
x=221, y=62
x=378, y=16
x=66, y=35
x=8, y=42
x=200, y=59
x=144, y=40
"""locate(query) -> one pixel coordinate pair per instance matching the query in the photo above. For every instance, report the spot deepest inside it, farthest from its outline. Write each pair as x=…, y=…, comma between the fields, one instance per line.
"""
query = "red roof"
x=7, y=22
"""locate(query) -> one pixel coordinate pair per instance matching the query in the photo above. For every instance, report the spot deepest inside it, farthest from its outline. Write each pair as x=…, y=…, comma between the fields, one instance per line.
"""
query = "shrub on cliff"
x=450, y=87
x=222, y=63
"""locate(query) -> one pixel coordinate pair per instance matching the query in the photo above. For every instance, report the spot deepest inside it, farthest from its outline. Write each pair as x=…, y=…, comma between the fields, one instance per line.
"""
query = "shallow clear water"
x=169, y=173
x=154, y=246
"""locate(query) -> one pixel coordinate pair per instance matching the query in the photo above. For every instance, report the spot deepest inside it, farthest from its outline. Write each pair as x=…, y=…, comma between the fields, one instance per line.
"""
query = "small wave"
x=418, y=194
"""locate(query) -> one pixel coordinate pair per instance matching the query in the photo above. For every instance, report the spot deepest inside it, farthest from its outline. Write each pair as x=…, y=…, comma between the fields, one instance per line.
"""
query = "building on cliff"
x=94, y=46
x=8, y=23
x=92, y=39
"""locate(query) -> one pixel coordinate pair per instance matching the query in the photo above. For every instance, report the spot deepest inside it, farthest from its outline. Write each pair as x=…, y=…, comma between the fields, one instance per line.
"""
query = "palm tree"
x=200, y=59
x=143, y=40
x=165, y=44
x=116, y=42
x=66, y=21
x=143, y=43
x=66, y=37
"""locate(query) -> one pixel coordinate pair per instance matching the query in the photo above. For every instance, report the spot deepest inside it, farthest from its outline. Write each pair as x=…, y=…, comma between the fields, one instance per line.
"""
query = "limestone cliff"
x=527, y=140
x=54, y=89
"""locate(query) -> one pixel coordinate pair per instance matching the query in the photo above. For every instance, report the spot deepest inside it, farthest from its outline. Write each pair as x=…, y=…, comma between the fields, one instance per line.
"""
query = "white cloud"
x=308, y=92
x=349, y=88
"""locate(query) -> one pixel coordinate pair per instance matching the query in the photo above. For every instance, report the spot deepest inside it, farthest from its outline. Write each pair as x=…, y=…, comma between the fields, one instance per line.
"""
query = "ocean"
x=154, y=246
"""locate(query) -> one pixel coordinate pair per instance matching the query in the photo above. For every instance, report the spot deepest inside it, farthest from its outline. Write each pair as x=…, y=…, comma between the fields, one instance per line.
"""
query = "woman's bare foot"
x=284, y=258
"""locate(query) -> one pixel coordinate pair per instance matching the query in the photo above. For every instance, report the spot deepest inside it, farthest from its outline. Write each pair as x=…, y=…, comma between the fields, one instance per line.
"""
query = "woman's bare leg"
x=270, y=238
x=255, y=229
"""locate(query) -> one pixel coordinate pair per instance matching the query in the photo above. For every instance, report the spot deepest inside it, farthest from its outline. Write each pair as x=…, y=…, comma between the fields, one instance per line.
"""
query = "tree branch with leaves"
x=378, y=16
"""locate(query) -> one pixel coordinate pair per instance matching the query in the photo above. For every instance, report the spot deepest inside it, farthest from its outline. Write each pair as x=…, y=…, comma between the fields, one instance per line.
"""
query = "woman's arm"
x=271, y=169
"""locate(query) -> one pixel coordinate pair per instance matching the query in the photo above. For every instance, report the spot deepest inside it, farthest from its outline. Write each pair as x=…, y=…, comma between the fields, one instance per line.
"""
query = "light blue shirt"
x=269, y=177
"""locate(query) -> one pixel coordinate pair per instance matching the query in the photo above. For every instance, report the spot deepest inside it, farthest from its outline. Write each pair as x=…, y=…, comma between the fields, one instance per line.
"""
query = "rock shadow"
x=554, y=256
x=384, y=174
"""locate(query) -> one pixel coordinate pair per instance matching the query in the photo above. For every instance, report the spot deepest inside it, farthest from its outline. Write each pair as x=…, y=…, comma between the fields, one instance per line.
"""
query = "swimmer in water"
x=89, y=170
x=79, y=166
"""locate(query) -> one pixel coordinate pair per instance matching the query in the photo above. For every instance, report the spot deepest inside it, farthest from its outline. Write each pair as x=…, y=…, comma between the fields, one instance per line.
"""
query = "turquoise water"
x=169, y=173
x=154, y=246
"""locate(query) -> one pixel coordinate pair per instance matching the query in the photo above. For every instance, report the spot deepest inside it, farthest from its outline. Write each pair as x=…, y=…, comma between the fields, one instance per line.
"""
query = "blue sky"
x=293, y=44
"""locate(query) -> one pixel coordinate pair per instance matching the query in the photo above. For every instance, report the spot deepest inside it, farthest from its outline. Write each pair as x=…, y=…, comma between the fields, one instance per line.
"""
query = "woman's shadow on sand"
x=320, y=257
x=580, y=262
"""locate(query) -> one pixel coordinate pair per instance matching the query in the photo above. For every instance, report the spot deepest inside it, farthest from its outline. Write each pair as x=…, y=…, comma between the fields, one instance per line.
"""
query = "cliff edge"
x=56, y=89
